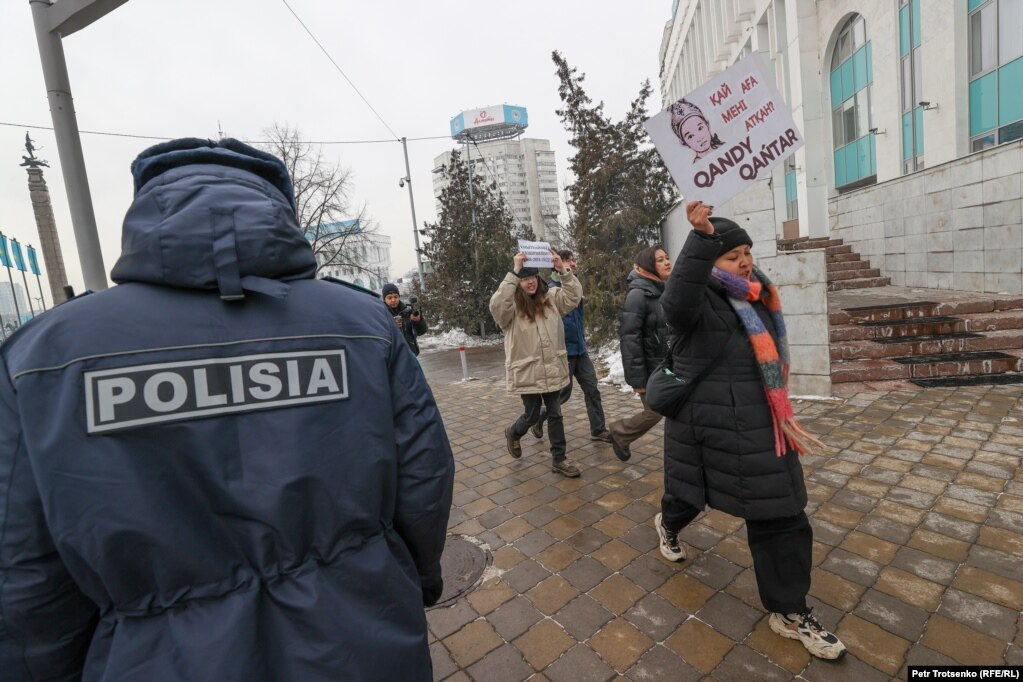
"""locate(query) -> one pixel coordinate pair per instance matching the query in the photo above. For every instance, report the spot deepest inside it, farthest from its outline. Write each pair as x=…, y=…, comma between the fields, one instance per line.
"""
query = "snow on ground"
x=609, y=357
x=456, y=338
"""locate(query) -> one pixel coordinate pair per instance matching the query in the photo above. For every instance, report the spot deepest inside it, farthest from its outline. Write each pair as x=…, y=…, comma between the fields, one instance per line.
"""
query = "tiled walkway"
x=918, y=548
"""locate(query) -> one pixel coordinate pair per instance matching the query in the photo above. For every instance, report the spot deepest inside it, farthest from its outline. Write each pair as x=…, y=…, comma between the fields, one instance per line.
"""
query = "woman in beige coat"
x=535, y=358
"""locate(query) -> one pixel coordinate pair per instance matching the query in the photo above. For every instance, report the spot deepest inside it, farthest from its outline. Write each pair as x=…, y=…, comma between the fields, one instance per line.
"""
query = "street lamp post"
x=412, y=203
x=54, y=21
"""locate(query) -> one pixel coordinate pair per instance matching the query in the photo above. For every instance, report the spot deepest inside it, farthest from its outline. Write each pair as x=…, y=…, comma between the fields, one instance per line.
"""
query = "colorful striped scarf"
x=773, y=360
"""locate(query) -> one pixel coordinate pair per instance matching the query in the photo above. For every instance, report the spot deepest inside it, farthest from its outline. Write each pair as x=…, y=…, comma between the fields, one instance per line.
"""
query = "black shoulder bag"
x=667, y=392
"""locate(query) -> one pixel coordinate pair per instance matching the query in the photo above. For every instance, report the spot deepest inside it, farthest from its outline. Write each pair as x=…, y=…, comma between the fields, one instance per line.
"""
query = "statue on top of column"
x=31, y=161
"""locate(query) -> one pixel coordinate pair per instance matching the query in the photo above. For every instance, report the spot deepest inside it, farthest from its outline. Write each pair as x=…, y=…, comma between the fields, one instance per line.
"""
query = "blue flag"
x=19, y=260
x=5, y=259
x=33, y=262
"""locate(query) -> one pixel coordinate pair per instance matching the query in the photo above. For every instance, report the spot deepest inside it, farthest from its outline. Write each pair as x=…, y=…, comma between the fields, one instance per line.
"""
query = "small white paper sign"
x=538, y=254
x=726, y=134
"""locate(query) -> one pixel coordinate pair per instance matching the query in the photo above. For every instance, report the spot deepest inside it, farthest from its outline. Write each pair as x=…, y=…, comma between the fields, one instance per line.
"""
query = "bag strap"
x=669, y=361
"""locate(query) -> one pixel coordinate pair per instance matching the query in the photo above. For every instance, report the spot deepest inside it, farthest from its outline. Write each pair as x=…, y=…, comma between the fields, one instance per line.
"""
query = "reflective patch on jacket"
x=139, y=395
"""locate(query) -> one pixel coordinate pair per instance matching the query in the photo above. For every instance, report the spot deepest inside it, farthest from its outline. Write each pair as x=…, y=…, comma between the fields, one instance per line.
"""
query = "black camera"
x=413, y=310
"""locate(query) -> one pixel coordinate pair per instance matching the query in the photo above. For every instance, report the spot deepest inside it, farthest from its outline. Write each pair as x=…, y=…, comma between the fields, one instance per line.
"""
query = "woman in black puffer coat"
x=734, y=446
x=642, y=334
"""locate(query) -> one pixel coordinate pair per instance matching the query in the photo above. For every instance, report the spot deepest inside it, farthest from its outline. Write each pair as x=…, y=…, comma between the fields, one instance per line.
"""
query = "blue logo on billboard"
x=516, y=115
x=457, y=125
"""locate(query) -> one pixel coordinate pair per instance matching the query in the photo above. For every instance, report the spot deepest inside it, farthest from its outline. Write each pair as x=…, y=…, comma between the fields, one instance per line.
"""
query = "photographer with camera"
x=409, y=318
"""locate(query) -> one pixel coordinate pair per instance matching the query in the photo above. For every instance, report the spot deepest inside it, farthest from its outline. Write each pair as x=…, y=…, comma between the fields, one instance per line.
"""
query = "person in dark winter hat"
x=530, y=315
x=732, y=236
x=408, y=318
x=735, y=444
x=642, y=335
x=247, y=477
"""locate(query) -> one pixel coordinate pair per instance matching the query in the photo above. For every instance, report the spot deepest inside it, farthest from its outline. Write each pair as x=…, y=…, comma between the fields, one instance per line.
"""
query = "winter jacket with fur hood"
x=535, y=358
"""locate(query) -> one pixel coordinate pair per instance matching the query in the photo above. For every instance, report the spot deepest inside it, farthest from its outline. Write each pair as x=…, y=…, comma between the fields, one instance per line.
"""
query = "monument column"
x=49, y=241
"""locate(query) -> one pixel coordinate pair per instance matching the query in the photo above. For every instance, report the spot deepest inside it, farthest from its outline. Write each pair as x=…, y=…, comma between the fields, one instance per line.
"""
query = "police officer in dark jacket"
x=409, y=320
x=222, y=468
x=642, y=335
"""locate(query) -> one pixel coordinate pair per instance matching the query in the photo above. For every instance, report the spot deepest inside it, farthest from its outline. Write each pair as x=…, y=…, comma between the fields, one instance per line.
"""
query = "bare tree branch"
x=323, y=191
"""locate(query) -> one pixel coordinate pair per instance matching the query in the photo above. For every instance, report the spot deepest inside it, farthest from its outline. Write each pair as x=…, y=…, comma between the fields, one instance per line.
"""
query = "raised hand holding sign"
x=538, y=254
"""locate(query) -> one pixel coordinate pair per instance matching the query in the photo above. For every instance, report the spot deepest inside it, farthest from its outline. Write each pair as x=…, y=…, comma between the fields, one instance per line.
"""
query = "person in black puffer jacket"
x=735, y=444
x=409, y=320
x=642, y=334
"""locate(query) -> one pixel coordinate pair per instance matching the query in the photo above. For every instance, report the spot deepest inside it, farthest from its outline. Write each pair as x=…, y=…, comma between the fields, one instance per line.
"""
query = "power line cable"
x=159, y=137
x=340, y=70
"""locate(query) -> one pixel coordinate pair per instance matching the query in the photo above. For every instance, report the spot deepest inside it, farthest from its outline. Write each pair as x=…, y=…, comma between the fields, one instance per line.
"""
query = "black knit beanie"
x=730, y=233
x=389, y=289
x=647, y=258
x=527, y=272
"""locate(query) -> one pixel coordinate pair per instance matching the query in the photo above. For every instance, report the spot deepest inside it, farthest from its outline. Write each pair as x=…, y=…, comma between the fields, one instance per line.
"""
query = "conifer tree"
x=621, y=193
x=470, y=250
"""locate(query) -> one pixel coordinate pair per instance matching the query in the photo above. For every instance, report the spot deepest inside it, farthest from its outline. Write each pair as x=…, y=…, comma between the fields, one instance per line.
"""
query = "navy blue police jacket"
x=222, y=468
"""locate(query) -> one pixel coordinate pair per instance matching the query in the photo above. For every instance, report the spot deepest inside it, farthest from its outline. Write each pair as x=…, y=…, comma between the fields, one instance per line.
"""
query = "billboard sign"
x=724, y=135
x=489, y=123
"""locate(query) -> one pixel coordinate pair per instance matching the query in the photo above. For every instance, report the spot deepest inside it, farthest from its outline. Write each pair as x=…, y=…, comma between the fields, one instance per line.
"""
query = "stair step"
x=886, y=369
x=910, y=321
x=921, y=326
x=817, y=243
x=971, y=380
x=989, y=322
x=979, y=323
x=865, y=283
x=890, y=311
x=976, y=363
x=924, y=338
x=844, y=275
x=953, y=357
x=842, y=257
x=869, y=370
x=927, y=344
x=842, y=266
x=837, y=249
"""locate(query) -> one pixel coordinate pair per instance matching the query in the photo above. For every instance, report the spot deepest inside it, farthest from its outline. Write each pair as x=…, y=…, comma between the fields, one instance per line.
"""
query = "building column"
x=812, y=176
x=49, y=241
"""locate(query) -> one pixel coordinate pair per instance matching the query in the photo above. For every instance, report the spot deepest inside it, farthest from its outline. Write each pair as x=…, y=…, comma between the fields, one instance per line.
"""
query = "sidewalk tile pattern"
x=918, y=537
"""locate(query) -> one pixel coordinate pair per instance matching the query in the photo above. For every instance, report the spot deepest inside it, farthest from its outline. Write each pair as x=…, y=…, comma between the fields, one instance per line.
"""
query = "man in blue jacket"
x=580, y=367
x=223, y=468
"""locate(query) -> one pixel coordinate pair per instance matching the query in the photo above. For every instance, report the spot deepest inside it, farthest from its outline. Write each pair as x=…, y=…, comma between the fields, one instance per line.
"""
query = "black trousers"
x=533, y=403
x=581, y=367
x=782, y=552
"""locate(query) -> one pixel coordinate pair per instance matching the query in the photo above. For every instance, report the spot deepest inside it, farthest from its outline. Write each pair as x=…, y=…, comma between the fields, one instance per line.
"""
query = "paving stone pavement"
x=918, y=538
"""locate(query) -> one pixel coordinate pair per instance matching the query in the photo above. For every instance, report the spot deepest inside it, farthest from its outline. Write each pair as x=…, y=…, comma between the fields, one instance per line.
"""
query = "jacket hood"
x=213, y=216
x=647, y=286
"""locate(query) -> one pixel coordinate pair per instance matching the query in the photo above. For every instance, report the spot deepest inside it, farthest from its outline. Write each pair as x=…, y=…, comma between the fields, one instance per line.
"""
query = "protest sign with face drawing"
x=726, y=134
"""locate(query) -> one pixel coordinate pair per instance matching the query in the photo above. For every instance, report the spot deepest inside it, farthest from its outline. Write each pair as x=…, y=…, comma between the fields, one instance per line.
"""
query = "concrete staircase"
x=846, y=269
x=969, y=341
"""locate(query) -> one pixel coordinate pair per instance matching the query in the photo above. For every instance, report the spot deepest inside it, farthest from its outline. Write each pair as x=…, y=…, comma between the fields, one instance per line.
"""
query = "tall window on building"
x=912, y=88
x=791, y=197
x=996, y=72
x=851, y=78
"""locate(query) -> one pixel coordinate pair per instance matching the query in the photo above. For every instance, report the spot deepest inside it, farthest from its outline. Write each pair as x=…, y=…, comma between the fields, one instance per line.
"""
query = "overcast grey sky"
x=174, y=69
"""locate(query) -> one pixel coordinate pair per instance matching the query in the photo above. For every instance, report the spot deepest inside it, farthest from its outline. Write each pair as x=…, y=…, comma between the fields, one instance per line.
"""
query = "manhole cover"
x=461, y=566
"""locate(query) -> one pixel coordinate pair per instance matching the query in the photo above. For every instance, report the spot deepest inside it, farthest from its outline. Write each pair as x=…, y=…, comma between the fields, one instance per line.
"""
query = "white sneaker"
x=809, y=631
x=670, y=547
